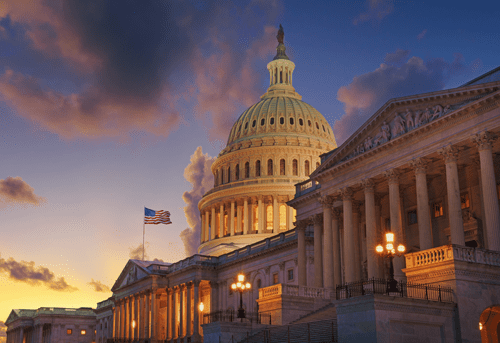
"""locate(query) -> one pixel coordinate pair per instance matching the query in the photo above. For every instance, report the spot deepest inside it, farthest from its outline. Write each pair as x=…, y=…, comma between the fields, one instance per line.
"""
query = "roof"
x=28, y=313
x=492, y=75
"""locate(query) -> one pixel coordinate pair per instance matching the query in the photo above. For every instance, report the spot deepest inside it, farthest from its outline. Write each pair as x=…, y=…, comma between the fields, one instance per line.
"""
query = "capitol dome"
x=273, y=145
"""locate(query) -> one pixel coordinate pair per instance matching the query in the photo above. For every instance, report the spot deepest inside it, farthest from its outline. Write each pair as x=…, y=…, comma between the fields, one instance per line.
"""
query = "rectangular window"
x=412, y=217
x=83, y=332
x=464, y=200
x=69, y=331
x=275, y=278
x=290, y=274
x=438, y=209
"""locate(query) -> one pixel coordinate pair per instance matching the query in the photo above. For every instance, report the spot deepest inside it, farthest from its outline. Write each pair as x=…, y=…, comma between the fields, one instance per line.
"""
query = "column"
x=196, y=318
x=300, y=228
x=146, y=317
x=238, y=216
x=212, y=225
x=349, y=244
x=231, y=219
x=371, y=228
x=174, y=313
x=221, y=220
x=168, y=313
x=213, y=296
x=337, y=267
x=207, y=230
x=395, y=216
x=115, y=315
x=357, y=239
x=129, y=318
x=261, y=220
x=181, y=312
x=483, y=141
x=450, y=155
x=245, y=216
x=276, y=217
x=318, y=253
x=123, y=319
x=289, y=212
x=141, y=316
x=188, y=308
x=202, y=227
x=153, y=315
x=423, y=209
x=328, y=242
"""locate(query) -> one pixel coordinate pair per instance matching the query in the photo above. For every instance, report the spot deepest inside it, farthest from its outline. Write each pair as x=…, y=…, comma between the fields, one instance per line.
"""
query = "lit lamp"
x=201, y=307
x=389, y=252
x=241, y=286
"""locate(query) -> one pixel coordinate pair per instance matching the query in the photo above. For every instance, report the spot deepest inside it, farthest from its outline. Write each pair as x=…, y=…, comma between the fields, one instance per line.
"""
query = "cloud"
x=27, y=272
x=3, y=331
x=99, y=286
x=13, y=190
x=421, y=35
x=199, y=174
x=367, y=92
x=118, y=75
x=136, y=253
x=397, y=57
x=376, y=11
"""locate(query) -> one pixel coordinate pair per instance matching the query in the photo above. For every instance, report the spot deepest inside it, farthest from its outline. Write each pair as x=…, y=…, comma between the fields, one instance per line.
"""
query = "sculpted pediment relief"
x=130, y=274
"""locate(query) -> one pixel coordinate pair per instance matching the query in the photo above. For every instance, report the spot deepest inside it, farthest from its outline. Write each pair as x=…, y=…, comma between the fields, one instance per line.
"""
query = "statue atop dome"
x=281, y=35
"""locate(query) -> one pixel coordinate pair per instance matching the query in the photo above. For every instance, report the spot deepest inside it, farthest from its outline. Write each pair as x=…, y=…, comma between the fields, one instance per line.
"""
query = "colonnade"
x=248, y=215
x=134, y=316
x=328, y=262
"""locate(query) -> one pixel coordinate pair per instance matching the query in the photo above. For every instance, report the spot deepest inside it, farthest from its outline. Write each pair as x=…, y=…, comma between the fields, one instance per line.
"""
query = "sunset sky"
x=110, y=106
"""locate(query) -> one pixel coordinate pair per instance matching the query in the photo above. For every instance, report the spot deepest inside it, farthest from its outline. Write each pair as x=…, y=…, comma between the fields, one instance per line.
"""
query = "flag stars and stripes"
x=156, y=217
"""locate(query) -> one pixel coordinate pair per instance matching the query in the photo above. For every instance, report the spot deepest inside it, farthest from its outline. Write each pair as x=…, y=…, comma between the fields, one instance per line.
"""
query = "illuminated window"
x=275, y=278
x=412, y=217
x=257, y=168
x=295, y=169
x=438, y=209
x=225, y=224
x=270, y=167
x=306, y=168
x=269, y=217
x=83, y=332
x=247, y=170
x=290, y=274
x=282, y=217
x=237, y=173
x=69, y=331
x=282, y=167
x=464, y=201
x=256, y=218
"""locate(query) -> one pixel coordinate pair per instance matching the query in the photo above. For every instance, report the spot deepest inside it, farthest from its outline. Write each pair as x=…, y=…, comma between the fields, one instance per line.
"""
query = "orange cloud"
x=99, y=286
x=13, y=190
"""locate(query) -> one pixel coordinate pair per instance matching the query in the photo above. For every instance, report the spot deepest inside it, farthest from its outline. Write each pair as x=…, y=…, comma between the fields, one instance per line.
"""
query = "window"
x=282, y=217
x=272, y=121
x=237, y=173
x=309, y=122
x=225, y=224
x=259, y=283
x=412, y=217
x=275, y=278
x=464, y=201
x=216, y=177
x=306, y=168
x=222, y=176
x=269, y=217
x=321, y=125
x=257, y=168
x=246, y=125
x=69, y=331
x=290, y=274
x=256, y=218
x=282, y=120
x=269, y=167
x=437, y=209
x=295, y=168
x=301, y=122
x=262, y=122
x=317, y=126
x=247, y=170
x=291, y=121
x=229, y=174
x=83, y=332
x=282, y=167
x=254, y=122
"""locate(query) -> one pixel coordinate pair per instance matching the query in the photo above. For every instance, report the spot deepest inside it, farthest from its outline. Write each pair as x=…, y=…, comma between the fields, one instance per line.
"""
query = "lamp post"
x=390, y=252
x=241, y=286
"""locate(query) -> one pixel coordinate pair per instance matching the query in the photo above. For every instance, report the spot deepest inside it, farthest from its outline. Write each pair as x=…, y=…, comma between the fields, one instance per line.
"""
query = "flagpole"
x=143, y=231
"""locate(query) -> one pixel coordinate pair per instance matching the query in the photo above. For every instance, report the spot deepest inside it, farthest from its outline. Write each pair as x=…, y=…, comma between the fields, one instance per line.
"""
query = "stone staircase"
x=327, y=312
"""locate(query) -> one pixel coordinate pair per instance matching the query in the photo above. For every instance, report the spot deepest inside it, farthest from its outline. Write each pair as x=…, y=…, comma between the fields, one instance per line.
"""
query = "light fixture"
x=379, y=248
x=241, y=277
x=247, y=285
x=401, y=248
x=201, y=306
x=133, y=324
x=389, y=246
x=233, y=286
x=480, y=326
x=389, y=237
x=390, y=252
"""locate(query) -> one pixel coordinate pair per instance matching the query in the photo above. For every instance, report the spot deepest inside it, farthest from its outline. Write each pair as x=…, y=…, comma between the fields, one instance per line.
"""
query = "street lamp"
x=389, y=252
x=241, y=286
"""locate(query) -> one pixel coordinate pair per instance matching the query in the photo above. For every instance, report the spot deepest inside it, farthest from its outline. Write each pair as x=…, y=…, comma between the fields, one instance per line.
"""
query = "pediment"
x=129, y=275
x=399, y=117
x=12, y=317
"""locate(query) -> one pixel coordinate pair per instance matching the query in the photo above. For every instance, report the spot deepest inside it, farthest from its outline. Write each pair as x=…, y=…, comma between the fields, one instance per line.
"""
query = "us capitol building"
x=300, y=218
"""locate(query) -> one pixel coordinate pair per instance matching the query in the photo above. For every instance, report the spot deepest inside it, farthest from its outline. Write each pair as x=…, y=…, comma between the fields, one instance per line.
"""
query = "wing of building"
x=291, y=226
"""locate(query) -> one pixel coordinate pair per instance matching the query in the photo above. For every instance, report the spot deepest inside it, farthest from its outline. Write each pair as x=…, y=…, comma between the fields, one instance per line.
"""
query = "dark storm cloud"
x=367, y=92
x=13, y=190
x=27, y=272
x=98, y=286
x=131, y=62
x=199, y=174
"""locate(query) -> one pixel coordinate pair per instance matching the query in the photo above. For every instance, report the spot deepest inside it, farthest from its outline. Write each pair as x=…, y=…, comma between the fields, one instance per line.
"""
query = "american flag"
x=156, y=217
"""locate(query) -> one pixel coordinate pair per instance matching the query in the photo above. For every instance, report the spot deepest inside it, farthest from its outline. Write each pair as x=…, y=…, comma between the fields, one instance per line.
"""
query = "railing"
x=306, y=187
x=324, y=331
x=404, y=290
x=229, y=316
x=452, y=252
x=301, y=291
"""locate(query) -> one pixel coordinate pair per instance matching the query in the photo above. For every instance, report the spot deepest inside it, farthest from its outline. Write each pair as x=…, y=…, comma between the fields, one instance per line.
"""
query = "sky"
x=107, y=107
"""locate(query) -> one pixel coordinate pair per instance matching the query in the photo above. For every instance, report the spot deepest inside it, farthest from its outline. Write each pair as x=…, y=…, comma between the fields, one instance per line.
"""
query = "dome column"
x=276, y=217
x=207, y=218
x=238, y=216
x=231, y=218
x=212, y=228
x=221, y=220
x=260, y=211
x=245, y=217
x=202, y=227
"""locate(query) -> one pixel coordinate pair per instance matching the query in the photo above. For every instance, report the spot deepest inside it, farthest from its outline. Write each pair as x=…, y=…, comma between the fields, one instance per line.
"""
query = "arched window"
x=228, y=174
x=222, y=176
x=309, y=122
x=272, y=121
x=306, y=168
x=246, y=125
x=237, y=173
x=262, y=122
x=291, y=121
x=269, y=217
x=269, y=167
x=295, y=167
x=282, y=167
x=247, y=170
x=282, y=120
x=317, y=126
x=282, y=217
x=301, y=122
x=259, y=283
x=253, y=123
x=216, y=178
x=257, y=168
